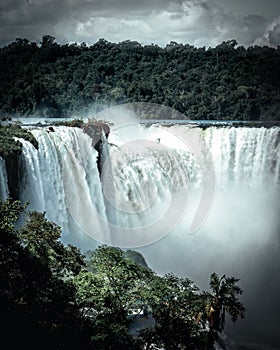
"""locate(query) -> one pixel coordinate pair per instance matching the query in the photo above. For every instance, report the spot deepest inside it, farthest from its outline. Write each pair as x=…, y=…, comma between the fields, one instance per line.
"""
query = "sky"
x=195, y=22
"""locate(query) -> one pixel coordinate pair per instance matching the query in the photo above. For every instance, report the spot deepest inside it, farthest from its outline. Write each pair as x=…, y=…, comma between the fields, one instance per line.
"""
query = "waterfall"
x=146, y=174
x=4, y=190
x=156, y=183
x=240, y=233
x=61, y=178
x=245, y=155
x=151, y=176
x=242, y=154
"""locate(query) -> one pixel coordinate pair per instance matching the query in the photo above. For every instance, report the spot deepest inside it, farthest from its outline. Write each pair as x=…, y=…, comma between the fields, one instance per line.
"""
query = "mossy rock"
x=10, y=150
x=8, y=144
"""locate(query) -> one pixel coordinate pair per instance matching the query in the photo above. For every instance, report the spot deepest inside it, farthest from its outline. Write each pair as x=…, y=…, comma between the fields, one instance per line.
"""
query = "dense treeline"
x=225, y=82
x=53, y=297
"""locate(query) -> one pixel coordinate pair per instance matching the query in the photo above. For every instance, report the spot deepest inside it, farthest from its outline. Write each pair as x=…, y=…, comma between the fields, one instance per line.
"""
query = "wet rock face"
x=12, y=153
x=12, y=166
x=94, y=130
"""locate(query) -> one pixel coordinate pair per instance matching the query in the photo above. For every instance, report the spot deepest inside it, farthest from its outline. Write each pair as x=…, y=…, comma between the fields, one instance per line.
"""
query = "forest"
x=54, y=297
x=228, y=82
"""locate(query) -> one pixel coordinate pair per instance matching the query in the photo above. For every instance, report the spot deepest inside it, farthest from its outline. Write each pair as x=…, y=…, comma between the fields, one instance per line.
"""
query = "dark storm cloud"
x=196, y=22
x=271, y=35
x=274, y=35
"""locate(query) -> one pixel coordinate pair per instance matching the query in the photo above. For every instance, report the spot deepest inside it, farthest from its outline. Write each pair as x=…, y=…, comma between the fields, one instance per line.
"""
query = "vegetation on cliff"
x=9, y=145
x=53, y=297
x=10, y=150
x=225, y=82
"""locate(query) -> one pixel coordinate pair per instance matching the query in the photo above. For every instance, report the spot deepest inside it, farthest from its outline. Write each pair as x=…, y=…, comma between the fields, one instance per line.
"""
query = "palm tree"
x=223, y=298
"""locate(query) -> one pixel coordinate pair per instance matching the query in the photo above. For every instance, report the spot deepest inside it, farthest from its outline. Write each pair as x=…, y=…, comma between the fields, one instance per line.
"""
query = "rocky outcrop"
x=12, y=166
x=95, y=130
x=10, y=151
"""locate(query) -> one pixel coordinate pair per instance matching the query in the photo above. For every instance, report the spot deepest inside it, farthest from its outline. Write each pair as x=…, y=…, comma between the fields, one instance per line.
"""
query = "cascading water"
x=151, y=184
x=4, y=190
x=248, y=155
x=139, y=180
x=62, y=171
x=239, y=237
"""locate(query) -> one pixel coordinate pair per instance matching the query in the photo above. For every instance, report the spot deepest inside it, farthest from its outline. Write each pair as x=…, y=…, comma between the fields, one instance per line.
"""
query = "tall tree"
x=38, y=307
x=224, y=299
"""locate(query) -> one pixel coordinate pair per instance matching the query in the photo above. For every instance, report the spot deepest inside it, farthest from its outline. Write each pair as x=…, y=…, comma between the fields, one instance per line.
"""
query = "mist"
x=239, y=238
x=239, y=230
x=239, y=235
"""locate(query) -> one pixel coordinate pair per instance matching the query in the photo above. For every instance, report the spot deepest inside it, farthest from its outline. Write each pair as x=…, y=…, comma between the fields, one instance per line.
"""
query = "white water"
x=240, y=236
x=4, y=190
x=152, y=180
x=151, y=188
x=62, y=171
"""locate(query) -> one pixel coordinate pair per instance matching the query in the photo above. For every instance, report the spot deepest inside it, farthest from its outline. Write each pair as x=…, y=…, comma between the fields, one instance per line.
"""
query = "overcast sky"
x=196, y=22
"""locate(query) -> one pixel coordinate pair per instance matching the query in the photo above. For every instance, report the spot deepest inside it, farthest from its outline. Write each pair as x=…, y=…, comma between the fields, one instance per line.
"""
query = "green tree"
x=111, y=288
x=114, y=284
x=37, y=306
x=42, y=238
x=50, y=298
x=223, y=299
x=176, y=304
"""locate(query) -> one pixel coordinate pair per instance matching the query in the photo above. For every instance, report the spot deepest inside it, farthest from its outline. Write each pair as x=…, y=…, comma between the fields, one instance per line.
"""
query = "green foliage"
x=41, y=237
x=224, y=298
x=50, y=297
x=37, y=306
x=9, y=214
x=108, y=333
x=78, y=123
x=225, y=82
x=176, y=304
x=114, y=285
x=137, y=258
x=8, y=145
x=10, y=149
